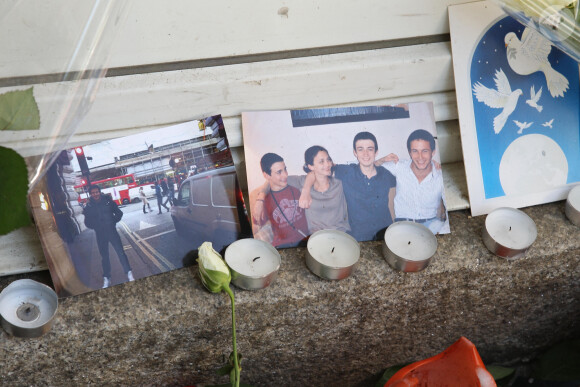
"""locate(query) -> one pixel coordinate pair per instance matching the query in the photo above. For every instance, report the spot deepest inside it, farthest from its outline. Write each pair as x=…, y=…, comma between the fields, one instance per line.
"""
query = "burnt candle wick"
x=254, y=260
x=332, y=250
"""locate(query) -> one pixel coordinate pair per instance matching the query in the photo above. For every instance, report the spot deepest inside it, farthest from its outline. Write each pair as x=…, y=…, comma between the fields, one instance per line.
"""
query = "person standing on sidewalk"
x=164, y=187
x=102, y=214
x=143, y=198
x=159, y=195
x=170, y=191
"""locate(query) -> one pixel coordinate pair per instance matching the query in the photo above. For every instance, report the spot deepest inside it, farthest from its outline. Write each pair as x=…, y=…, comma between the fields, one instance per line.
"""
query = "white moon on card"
x=532, y=163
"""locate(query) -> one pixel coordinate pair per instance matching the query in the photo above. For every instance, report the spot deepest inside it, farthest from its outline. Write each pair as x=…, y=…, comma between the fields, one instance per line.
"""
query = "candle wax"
x=511, y=228
x=332, y=249
x=410, y=241
x=252, y=257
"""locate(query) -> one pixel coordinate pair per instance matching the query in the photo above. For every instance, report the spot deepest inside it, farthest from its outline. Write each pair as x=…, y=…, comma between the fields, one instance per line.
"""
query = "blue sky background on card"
x=489, y=56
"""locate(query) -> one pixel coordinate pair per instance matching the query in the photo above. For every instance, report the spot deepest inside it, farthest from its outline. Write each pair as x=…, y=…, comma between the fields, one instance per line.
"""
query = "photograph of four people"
x=357, y=170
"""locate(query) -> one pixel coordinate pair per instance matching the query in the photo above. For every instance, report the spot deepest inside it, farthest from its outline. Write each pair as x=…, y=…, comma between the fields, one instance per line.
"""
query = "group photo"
x=356, y=169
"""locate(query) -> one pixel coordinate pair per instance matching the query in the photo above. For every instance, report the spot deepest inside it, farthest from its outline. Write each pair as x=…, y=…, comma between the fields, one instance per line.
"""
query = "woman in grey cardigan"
x=328, y=208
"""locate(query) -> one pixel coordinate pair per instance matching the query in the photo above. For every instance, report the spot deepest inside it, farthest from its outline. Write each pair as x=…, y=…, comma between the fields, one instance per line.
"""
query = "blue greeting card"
x=518, y=101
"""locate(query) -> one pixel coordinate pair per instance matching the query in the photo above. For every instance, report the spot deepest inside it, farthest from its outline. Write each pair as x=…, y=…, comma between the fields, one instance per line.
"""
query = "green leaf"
x=19, y=111
x=387, y=374
x=499, y=372
x=560, y=363
x=13, y=191
x=225, y=370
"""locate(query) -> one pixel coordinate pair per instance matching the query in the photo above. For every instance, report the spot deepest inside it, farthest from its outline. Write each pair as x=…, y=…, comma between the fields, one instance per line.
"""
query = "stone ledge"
x=167, y=330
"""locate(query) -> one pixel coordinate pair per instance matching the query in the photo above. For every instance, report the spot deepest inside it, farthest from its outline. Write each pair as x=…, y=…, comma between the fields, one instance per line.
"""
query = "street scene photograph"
x=132, y=207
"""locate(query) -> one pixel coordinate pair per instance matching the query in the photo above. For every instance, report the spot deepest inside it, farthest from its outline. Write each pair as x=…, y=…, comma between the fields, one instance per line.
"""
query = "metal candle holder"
x=573, y=205
x=408, y=246
x=508, y=232
x=254, y=263
x=27, y=308
x=332, y=254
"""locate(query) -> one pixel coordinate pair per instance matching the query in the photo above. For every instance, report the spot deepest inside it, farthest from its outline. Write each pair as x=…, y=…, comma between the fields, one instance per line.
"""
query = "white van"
x=211, y=204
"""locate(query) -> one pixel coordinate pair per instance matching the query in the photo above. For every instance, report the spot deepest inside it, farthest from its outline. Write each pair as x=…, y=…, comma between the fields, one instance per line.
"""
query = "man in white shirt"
x=420, y=195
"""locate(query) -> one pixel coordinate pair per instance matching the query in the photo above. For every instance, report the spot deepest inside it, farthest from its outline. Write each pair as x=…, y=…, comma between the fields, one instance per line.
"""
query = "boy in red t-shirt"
x=280, y=204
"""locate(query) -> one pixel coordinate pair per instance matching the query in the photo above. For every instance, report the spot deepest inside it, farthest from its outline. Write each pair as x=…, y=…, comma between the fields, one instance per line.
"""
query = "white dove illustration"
x=502, y=98
x=548, y=123
x=534, y=98
x=522, y=125
x=530, y=55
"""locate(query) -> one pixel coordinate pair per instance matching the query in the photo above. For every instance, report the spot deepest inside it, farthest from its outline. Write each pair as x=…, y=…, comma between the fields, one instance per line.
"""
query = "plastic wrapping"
x=70, y=54
x=557, y=20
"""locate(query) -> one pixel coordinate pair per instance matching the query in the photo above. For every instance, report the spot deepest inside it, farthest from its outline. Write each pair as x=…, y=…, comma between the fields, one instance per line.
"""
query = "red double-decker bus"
x=122, y=189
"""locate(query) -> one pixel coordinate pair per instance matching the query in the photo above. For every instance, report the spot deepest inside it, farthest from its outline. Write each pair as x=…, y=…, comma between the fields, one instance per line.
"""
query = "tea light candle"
x=27, y=308
x=509, y=233
x=573, y=205
x=408, y=246
x=254, y=263
x=332, y=254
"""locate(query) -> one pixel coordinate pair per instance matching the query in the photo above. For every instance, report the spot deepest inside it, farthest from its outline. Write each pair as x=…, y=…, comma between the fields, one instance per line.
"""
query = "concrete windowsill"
x=302, y=330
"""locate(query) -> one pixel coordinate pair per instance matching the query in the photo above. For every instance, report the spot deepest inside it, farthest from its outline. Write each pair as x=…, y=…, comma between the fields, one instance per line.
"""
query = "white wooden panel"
x=455, y=183
x=449, y=140
x=444, y=105
x=143, y=101
x=38, y=36
x=21, y=251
